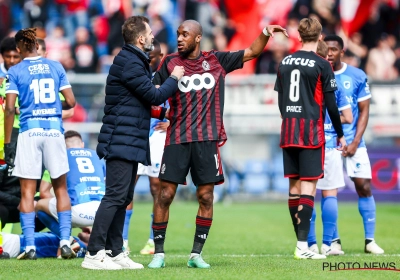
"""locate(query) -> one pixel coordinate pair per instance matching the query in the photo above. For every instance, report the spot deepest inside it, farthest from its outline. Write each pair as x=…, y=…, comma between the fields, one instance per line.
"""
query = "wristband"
x=266, y=33
x=174, y=77
x=158, y=112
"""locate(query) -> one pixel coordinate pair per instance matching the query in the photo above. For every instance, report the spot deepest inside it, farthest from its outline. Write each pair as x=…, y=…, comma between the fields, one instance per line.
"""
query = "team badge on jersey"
x=333, y=83
x=346, y=84
x=205, y=65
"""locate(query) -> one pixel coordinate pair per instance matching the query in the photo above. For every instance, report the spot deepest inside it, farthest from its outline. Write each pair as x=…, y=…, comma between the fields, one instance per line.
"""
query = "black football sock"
x=159, y=230
x=293, y=204
x=304, y=214
x=202, y=228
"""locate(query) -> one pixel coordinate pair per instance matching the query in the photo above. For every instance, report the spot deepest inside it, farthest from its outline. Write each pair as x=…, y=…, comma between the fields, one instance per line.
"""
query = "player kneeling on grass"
x=85, y=185
x=36, y=81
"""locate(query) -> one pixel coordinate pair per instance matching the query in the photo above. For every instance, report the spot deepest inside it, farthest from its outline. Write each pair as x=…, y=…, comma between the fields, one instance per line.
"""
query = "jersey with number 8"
x=303, y=78
x=85, y=180
x=37, y=82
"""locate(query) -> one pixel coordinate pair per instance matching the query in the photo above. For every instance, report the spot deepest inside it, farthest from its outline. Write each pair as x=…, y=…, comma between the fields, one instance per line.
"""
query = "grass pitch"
x=246, y=241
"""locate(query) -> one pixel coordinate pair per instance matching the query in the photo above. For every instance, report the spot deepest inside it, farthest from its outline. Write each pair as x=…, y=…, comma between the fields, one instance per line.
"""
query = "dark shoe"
x=31, y=255
x=4, y=256
x=67, y=252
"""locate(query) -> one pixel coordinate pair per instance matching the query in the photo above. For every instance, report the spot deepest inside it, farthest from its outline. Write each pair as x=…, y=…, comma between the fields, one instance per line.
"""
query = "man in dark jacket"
x=124, y=140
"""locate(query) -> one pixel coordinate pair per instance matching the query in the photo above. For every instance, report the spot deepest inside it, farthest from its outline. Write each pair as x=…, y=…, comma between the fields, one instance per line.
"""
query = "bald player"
x=196, y=130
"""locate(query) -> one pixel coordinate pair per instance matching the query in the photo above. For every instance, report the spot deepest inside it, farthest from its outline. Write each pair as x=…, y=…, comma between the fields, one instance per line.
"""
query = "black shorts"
x=201, y=158
x=304, y=164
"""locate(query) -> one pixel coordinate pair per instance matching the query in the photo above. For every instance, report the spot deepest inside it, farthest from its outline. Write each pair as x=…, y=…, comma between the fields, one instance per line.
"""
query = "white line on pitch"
x=272, y=255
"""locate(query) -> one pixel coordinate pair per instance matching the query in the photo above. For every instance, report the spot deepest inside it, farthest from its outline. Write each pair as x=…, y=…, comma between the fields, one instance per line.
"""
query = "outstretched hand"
x=276, y=28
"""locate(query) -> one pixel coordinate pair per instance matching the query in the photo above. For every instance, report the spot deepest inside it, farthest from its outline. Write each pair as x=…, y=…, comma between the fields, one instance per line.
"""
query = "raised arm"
x=261, y=41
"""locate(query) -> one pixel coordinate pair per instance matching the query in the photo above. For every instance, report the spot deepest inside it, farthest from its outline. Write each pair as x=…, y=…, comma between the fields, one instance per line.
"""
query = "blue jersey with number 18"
x=85, y=179
x=37, y=82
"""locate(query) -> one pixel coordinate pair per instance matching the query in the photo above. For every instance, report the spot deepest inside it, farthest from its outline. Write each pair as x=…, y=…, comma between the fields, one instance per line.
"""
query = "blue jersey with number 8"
x=85, y=179
x=37, y=82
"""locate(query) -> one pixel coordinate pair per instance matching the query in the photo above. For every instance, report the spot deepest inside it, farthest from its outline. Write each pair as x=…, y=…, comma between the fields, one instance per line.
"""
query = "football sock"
x=64, y=219
x=151, y=229
x=304, y=213
x=312, y=238
x=28, y=228
x=125, y=232
x=293, y=204
x=202, y=228
x=49, y=222
x=329, y=219
x=366, y=206
x=159, y=230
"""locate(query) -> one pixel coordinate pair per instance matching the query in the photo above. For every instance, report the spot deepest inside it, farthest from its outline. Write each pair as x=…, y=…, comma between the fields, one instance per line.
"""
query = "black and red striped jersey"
x=303, y=79
x=196, y=110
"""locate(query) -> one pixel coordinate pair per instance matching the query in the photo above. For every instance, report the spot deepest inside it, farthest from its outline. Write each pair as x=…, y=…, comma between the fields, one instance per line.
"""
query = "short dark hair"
x=133, y=27
x=41, y=43
x=27, y=37
x=335, y=38
x=8, y=44
x=156, y=44
x=72, y=133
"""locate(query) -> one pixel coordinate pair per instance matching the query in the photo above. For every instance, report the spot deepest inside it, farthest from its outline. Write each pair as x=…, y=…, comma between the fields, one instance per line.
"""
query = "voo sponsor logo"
x=196, y=82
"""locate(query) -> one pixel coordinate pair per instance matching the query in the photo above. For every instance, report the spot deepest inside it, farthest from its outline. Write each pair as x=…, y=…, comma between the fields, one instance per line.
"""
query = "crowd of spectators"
x=85, y=35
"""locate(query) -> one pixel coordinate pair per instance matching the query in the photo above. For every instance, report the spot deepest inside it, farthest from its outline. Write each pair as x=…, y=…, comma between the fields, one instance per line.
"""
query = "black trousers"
x=109, y=221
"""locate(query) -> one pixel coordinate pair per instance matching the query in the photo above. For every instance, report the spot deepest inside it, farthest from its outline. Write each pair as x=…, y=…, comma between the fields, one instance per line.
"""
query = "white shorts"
x=37, y=147
x=11, y=244
x=358, y=166
x=82, y=215
x=157, y=143
x=333, y=171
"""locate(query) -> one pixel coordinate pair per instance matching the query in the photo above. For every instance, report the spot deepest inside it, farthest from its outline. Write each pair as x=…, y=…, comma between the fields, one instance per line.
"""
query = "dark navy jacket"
x=130, y=93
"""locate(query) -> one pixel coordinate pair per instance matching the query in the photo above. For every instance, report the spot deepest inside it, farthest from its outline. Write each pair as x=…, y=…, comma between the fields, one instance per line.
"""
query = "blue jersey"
x=85, y=179
x=48, y=243
x=355, y=85
x=37, y=82
x=330, y=133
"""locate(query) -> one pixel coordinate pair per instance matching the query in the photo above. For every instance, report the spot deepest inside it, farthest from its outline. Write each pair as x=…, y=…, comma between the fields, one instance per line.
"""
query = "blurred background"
x=85, y=35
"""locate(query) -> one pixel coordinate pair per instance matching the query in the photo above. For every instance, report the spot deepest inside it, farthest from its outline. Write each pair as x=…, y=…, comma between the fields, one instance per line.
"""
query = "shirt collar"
x=141, y=51
x=344, y=67
x=32, y=58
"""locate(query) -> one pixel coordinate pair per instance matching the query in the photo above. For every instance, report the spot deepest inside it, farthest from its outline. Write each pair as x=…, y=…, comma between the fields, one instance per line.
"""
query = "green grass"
x=246, y=241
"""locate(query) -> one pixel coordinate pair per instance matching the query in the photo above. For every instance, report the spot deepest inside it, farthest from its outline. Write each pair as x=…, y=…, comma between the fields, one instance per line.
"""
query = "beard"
x=191, y=47
x=148, y=47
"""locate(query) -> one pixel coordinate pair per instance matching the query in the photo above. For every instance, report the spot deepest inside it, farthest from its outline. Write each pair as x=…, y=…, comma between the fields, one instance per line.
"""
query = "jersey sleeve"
x=64, y=83
x=12, y=82
x=230, y=61
x=162, y=73
x=363, y=92
x=328, y=78
x=278, y=85
x=341, y=100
